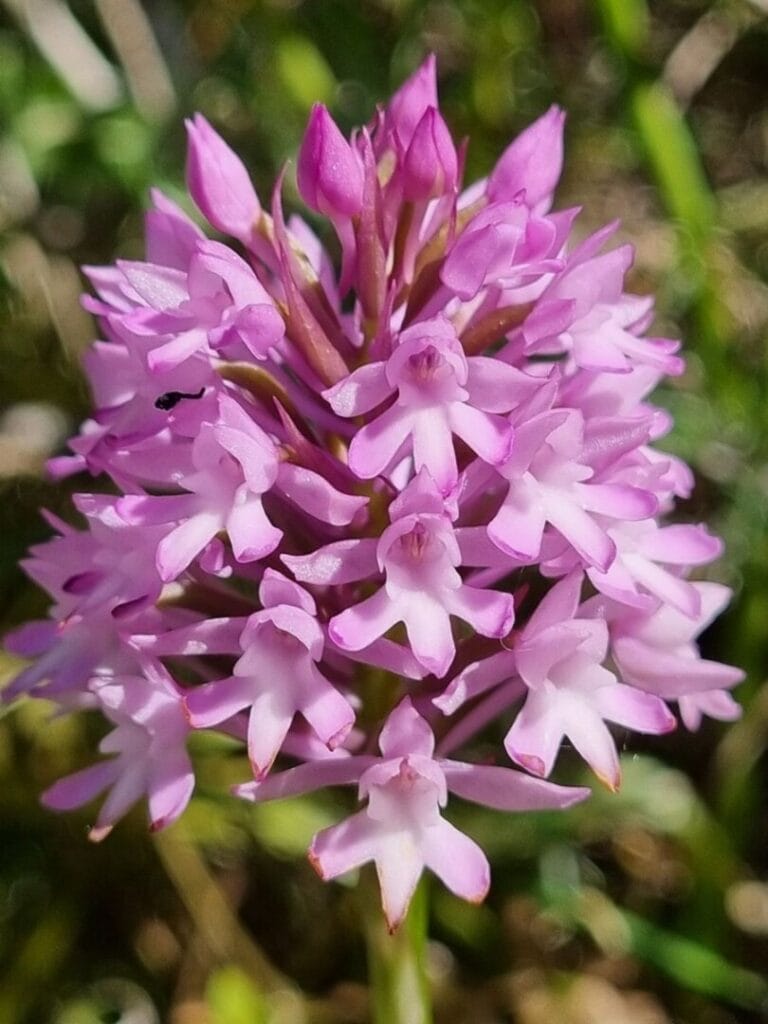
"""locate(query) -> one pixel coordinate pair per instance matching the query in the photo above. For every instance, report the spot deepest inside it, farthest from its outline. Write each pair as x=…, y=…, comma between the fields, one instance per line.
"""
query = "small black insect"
x=171, y=399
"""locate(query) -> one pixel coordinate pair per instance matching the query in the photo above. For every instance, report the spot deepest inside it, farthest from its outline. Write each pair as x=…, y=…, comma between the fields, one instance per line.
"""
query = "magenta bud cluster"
x=363, y=512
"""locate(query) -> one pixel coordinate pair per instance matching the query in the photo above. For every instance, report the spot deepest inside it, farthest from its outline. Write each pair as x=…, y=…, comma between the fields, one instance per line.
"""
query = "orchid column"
x=362, y=512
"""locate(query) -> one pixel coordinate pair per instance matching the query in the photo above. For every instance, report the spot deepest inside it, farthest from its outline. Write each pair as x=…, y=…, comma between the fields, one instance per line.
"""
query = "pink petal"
x=360, y=392
x=590, y=541
x=160, y=287
x=558, y=605
x=306, y=778
x=535, y=736
x=219, y=182
x=170, y=785
x=314, y=495
x=433, y=448
x=374, y=446
x=518, y=526
x=406, y=732
x=716, y=704
x=532, y=162
x=278, y=589
x=489, y=435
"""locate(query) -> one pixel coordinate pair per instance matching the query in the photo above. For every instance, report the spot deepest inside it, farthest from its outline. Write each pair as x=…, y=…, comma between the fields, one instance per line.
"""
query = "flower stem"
x=400, y=991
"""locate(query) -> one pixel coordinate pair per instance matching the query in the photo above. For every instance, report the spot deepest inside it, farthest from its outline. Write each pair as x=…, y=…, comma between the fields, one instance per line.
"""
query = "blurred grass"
x=647, y=908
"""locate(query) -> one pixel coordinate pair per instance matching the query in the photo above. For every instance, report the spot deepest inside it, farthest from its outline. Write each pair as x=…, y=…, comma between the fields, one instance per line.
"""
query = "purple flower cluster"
x=364, y=514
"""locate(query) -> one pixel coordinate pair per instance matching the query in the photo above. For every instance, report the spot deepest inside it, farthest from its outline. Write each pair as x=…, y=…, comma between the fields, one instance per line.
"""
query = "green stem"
x=400, y=991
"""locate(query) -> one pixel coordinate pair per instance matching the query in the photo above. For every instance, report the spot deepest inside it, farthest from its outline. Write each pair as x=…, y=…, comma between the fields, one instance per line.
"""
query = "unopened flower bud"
x=531, y=163
x=330, y=177
x=219, y=182
x=409, y=103
x=430, y=165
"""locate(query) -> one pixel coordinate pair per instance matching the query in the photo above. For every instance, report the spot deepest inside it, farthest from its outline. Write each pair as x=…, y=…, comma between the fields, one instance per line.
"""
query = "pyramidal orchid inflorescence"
x=361, y=514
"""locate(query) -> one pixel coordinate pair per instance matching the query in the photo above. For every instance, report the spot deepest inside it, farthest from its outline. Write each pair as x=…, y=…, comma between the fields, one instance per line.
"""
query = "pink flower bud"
x=531, y=162
x=219, y=182
x=409, y=103
x=430, y=165
x=330, y=177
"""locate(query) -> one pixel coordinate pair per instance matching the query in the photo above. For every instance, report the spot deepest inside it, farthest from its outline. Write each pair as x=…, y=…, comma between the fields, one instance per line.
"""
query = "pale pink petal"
x=535, y=736
x=457, y=861
x=160, y=287
x=81, y=787
x=357, y=627
x=507, y=790
x=270, y=719
x=487, y=434
x=558, y=604
x=433, y=448
x=169, y=355
x=399, y=863
x=518, y=526
x=129, y=787
x=306, y=778
x=668, y=674
x=406, y=732
x=716, y=704
x=252, y=534
x=330, y=715
x=581, y=531
x=278, y=589
x=208, y=636
x=590, y=736
x=429, y=633
x=495, y=386
x=344, y=847
x=617, y=500
x=681, y=544
x=476, y=679
x=374, y=446
x=179, y=548
x=218, y=701
x=662, y=584
x=487, y=611
x=169, y=788
x=634, y=709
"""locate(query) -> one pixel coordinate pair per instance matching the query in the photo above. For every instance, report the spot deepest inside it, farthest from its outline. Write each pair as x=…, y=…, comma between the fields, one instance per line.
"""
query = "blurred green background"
x=650, y=907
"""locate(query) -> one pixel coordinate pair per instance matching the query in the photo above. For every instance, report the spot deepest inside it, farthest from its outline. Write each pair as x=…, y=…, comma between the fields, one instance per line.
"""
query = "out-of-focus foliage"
x=650, y=907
